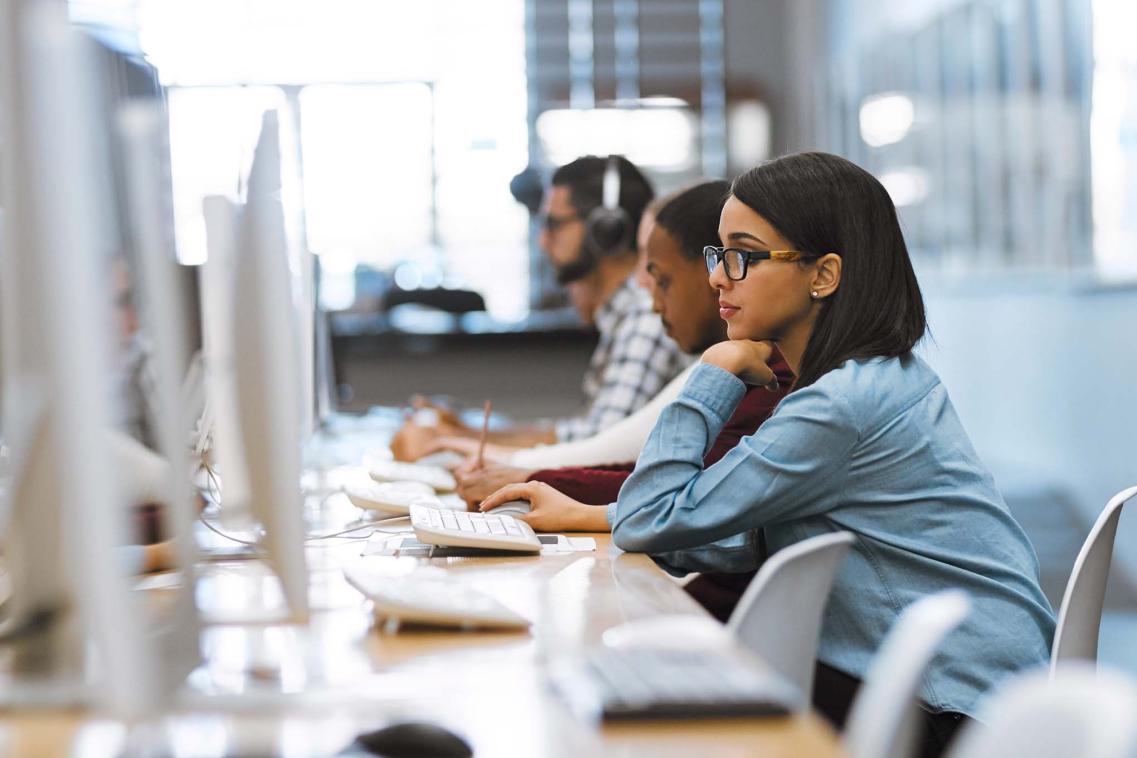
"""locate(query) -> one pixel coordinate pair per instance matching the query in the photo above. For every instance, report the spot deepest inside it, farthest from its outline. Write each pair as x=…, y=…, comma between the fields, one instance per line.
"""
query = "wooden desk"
x=337, y=676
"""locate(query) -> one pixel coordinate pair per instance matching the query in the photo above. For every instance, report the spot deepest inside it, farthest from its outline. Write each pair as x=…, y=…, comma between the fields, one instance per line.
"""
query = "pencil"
x=485, y=432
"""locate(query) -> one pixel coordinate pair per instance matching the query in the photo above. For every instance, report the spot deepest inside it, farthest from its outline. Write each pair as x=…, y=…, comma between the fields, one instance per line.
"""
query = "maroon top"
x=600, y=485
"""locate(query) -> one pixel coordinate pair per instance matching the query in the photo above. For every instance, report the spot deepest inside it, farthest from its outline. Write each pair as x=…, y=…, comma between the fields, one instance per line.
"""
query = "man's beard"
x=575, y=270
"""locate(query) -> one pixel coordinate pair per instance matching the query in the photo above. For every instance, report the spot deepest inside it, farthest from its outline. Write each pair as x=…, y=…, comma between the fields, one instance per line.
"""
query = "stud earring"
x=813, y=294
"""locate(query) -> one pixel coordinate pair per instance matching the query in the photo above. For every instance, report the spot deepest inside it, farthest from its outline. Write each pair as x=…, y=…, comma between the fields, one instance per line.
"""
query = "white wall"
x=1044, y=376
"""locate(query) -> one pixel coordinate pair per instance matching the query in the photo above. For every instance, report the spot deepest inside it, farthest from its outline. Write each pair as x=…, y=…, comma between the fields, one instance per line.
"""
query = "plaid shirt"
x=632, y=362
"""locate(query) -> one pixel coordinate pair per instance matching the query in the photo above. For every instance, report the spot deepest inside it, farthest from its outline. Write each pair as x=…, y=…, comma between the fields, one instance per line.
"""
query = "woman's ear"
x=826, y=276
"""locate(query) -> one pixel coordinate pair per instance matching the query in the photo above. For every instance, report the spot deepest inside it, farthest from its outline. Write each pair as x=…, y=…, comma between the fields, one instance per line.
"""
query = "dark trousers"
x=833, y=693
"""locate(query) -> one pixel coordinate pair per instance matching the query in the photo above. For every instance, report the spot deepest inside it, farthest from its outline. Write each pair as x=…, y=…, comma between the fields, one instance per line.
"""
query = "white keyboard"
x=392, y=498
x=396, y=471
x=648, y=683
x=477, y=530
x=440, y=602
x=447, y=459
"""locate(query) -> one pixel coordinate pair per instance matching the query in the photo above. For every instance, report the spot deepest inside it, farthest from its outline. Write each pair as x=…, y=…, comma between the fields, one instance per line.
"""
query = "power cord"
x=212, y=495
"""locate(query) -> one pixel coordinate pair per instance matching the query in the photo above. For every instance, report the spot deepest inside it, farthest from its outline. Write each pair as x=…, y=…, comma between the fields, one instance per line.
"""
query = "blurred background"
x=1005, y=131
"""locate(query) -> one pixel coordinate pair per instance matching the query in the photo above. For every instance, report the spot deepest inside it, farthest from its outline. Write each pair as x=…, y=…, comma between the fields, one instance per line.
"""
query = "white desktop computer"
x=225, y=453
x=67, y=524
x=143, y=133
x=267, y=368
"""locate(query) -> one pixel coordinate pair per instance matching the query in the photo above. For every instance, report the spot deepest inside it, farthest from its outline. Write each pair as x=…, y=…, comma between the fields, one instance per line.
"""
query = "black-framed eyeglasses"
x=553, y=223
x=736, y=261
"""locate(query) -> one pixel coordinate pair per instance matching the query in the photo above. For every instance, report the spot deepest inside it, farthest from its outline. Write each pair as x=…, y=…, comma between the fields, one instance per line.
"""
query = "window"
x=406, y=158
x=213, y=131
x=1113, y=135
x=975, y=116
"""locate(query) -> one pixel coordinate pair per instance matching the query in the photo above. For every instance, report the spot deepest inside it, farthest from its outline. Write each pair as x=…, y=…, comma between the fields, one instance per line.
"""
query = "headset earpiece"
x=609, y=229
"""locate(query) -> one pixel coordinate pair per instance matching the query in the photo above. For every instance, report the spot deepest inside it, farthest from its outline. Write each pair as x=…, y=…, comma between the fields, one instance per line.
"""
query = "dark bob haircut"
x=823, y=203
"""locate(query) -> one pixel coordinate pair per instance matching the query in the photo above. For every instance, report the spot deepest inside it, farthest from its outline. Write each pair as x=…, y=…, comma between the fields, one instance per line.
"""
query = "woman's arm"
x=621, y=441
x=793, y=466
x=551, y=510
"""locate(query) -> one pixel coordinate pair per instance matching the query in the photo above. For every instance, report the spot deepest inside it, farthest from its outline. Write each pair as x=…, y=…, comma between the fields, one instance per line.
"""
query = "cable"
x=220, y=533
x=212, y=495
x=368, y=525
x=212, y=492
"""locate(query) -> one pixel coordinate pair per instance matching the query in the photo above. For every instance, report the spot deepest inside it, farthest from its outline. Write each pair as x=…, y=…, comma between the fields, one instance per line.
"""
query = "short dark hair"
x=584, y=178
x=823, y=203
x=692, y=216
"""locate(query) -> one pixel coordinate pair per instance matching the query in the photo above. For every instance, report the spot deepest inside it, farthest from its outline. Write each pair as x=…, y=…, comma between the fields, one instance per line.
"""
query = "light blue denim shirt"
x=873, y=447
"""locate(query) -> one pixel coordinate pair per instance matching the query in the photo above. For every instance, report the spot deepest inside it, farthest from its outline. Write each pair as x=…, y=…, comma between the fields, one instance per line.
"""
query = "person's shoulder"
x=628, y=301
x=632, y=312
x=632, y=298
x=882, y=384
x=897, y=369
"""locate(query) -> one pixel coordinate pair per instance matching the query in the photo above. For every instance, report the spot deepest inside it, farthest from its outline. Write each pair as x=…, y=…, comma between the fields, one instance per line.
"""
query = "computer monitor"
x=66, y=524
x=226, y=450
x=143, y=137
x=268, y=364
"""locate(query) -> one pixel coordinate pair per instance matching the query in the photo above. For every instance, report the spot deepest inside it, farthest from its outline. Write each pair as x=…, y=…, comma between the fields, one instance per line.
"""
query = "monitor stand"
x=44, y=661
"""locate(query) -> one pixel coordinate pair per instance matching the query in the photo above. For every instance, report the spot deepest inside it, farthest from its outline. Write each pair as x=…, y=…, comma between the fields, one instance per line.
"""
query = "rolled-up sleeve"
x=792, y=467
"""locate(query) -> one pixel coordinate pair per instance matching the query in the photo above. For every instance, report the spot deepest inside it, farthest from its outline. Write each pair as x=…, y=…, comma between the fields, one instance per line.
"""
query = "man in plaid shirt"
x=634, y=358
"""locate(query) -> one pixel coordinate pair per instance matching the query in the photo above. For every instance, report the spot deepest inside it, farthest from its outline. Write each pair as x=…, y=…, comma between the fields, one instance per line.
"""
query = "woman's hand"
x=551, y=510
x=476, y=483
x=746, y=359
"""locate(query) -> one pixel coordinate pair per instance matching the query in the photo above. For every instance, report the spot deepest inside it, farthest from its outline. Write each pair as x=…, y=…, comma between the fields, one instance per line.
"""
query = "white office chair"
x=779, y=616
x=1079, y=618
x=1079, y=711
x=882, y=721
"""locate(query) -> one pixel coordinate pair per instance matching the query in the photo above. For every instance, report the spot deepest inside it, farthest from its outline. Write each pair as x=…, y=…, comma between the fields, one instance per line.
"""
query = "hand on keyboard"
x=550, y=510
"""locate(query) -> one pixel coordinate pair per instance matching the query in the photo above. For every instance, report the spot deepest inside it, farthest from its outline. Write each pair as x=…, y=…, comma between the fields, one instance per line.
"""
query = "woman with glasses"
x=814, y=262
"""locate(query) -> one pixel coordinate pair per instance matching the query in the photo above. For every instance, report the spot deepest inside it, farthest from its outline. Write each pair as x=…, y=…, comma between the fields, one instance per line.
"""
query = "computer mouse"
x=414, y=738
x=512, y=508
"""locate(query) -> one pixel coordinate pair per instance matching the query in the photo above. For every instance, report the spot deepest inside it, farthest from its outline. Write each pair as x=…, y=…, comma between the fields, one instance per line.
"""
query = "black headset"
x=608, y=227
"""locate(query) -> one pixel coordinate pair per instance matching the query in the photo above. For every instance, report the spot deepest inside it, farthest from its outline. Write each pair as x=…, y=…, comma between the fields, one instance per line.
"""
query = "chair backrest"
x=779, y=616
x=1079, y=618
x=1079, y=711
x=882, y=721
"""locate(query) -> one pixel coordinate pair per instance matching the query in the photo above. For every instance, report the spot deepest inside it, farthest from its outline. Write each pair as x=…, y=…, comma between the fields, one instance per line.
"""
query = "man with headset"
x=590, y=218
